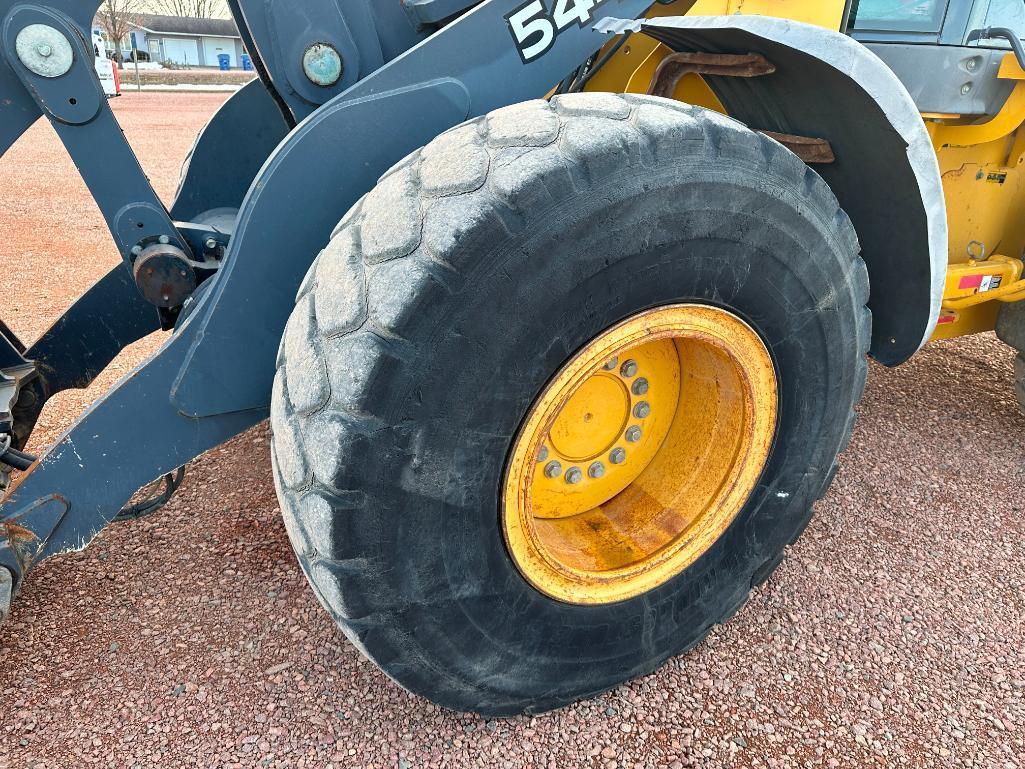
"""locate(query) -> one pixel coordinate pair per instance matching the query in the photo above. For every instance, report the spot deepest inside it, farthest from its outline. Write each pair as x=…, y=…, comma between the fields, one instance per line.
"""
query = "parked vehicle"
x=106, y=68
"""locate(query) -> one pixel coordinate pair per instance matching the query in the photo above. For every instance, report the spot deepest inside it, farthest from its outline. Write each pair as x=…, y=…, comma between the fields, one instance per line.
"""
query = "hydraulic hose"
x=12, y=457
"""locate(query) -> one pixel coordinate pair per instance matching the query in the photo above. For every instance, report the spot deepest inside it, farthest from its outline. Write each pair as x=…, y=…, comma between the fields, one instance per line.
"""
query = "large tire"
x=1019, y=379
x=1010, y=330
x=443, y=304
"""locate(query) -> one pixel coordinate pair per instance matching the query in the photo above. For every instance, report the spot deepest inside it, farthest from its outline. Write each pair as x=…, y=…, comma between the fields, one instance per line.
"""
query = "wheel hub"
x=639, y=454
x=592, y=420
x=608, y=431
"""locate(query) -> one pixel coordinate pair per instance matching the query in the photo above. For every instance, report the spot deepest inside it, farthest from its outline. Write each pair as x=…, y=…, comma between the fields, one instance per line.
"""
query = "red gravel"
x=892, y=635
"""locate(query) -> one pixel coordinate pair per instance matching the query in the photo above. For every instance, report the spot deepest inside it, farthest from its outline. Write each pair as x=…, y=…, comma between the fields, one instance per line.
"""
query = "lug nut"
x=640, y=387
x=542, y=455
x=633, y=434
x=617, y=456
x=596, y=470
x=629, y=368
x=136, y=250
x=642, y=409
x=553, y=469
x=210, y=243
x=573, y=475
x=164, y=239
x=611, y=364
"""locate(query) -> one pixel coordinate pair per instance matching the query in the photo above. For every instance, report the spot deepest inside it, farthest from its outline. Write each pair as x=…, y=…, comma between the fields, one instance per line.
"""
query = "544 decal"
x=534, y=27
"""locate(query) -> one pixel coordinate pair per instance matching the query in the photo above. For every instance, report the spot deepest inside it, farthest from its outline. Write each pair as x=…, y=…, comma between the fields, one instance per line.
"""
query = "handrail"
x=1000, y=33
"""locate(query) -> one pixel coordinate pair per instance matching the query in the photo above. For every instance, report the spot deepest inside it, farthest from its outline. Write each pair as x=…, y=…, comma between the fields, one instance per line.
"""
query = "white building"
x=184, y=41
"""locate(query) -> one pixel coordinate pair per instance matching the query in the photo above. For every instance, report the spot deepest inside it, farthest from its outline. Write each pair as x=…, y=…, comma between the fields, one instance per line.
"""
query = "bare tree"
x=117, y=16
x=196, y=9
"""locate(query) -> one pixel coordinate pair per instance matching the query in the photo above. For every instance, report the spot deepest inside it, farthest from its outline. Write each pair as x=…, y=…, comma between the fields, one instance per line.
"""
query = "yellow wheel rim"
x=639, y=454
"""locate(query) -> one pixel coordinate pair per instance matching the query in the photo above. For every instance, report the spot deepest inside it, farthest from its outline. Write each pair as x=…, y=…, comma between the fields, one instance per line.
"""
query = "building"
x=182, y=41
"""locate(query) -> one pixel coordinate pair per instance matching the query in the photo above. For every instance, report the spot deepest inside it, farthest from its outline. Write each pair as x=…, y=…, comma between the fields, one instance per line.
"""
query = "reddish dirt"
x=891, y=636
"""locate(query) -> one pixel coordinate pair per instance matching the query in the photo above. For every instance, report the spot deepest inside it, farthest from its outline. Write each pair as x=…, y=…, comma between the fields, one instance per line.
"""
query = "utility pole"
x=135, y=58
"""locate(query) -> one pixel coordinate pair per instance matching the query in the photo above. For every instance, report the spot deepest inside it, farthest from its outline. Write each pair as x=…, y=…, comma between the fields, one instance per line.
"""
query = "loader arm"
x=212, y=378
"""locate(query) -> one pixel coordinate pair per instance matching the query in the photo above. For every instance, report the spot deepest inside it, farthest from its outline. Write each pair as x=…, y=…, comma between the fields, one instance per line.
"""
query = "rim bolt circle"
x=629, y=368
x=596, y=470
x=613, y=362
x=553, y=469
x=633, y=434
x=640, y=387
x=617, y=456
x=542, y=455
x=642, y=409
x=573, y=475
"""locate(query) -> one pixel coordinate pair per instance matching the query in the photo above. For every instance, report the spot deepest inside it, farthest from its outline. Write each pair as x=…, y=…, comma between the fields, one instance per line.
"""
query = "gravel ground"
x=892, y=635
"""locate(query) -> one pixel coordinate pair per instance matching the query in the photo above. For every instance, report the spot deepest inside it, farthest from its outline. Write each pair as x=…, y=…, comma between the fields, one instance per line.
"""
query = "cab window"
x=900, y=15
x=1002, y=13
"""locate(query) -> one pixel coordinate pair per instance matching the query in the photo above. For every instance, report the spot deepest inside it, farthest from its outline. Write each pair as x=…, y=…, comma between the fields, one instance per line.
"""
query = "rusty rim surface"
x=639, y=454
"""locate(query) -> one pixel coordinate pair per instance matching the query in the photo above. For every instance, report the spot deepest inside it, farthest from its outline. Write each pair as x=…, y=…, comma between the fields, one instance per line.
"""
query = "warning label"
x=989, y=282
x=981, y=282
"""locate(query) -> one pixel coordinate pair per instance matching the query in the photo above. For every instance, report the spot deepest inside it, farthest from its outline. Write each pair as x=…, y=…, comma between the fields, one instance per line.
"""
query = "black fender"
x=886, y=175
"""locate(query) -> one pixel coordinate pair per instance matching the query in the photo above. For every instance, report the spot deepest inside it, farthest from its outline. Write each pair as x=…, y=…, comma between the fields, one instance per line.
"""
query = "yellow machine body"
x=984, y=188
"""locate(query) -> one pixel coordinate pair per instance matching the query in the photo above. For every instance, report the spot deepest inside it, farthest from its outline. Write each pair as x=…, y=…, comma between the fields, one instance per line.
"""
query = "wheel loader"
x=560, y=309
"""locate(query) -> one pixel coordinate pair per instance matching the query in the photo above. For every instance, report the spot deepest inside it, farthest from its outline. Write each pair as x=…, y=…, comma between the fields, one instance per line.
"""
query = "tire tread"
x=511, y=160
